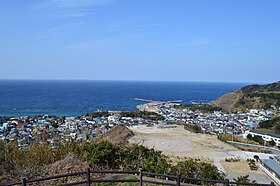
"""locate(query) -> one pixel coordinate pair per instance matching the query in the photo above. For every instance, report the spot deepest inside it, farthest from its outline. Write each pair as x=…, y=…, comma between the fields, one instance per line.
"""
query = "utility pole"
x=264, y=144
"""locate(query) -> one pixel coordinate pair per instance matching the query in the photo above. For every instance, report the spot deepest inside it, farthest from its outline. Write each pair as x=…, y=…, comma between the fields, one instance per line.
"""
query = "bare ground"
x=178, y=143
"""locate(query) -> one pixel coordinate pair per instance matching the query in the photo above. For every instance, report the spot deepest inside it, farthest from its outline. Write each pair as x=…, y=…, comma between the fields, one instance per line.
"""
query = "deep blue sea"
x=73, y=98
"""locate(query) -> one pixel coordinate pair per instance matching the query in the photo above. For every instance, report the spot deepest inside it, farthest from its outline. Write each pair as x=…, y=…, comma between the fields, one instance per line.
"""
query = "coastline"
x=73, y=98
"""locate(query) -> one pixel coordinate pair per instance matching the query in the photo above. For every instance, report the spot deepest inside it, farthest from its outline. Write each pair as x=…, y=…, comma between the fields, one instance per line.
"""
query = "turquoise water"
x=73, y=98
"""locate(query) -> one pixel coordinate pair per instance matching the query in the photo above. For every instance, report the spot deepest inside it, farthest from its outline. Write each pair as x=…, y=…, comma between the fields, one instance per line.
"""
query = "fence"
x=142, y=177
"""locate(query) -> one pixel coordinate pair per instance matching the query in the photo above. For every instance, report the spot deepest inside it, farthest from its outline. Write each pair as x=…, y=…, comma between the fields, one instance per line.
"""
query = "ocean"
x=73, y=98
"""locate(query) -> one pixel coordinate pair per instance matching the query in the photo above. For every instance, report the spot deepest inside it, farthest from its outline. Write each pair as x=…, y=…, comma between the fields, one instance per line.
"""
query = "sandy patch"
x=180, y=142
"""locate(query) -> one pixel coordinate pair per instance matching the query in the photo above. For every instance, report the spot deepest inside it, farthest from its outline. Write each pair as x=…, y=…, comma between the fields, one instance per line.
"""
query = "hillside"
x=117, y=135
x=273, y=125
x=251, y=97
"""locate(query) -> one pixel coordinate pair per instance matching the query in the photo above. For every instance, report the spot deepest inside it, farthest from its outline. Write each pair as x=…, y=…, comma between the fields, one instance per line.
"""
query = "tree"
x=273, y=124
x=249, y=136
x=265, y=124
x=194, y=168
x=243, y=179
x=6, y=151
x=138, y=156
x=125, y=157
x=272, y=143
x=102, y=154
x=258, y=139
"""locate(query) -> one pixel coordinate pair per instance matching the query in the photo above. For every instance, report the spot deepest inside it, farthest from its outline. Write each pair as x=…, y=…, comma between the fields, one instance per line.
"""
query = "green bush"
x=243, y=179
x=193, y=168
x=232, y=159
x=252, y=164
x=205, y=108
x=101, y=155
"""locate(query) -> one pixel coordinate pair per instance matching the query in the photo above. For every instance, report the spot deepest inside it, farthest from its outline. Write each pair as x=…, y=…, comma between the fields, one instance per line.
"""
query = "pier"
x=151, y=101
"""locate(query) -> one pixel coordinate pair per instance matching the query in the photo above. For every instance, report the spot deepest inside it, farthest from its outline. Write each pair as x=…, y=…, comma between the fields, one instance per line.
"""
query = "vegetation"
x=259, y=100
x=252, y=164
x=272, y=143
x=273, y=125
x=133, y=157
x=194, y=168
x=243, y=179
x=32, y=161
x=142, y=114
x=205, y=108
x=228, y=137
x=249, y=136
x=192, y=128
x=232, y=159
x=29, y=161
x=267, y=98
x=259, y=139
x=256, y=138
x=251, y=97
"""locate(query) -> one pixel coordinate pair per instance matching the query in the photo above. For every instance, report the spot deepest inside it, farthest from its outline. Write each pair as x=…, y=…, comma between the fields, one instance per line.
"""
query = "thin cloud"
x=70, y=4
x=61, y=9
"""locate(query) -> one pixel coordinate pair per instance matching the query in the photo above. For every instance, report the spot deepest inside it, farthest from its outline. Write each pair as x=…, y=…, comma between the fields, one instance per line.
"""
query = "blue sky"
x=167, y=40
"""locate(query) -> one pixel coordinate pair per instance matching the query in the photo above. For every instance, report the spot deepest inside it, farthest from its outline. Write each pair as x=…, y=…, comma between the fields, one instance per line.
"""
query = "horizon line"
x=125, y=80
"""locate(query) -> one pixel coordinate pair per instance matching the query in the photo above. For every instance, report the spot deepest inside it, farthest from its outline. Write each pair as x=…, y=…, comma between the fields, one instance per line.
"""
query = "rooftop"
x=265, y=133
x=272, y=165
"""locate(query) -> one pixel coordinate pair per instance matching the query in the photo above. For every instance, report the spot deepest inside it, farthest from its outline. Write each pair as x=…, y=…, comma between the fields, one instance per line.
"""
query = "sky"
x=147, y=40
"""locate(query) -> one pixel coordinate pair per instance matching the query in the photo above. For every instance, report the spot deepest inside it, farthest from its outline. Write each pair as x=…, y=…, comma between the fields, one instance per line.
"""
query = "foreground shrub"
x=193, y=168
x=32, y=161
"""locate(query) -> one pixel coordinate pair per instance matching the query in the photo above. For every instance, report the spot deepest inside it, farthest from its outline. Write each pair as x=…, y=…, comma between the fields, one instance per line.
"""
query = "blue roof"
x=98, y=119
x=251, y=122
x=272, y=165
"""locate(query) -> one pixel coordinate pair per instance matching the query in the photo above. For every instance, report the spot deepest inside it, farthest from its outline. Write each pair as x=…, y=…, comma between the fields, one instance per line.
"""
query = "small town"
x=55, y=130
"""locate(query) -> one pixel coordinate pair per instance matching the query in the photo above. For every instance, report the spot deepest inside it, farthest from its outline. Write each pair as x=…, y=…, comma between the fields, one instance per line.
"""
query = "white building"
x=266, y=136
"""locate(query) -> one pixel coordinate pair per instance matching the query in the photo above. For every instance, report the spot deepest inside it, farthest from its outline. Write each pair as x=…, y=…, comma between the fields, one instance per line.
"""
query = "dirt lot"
x=180, y=142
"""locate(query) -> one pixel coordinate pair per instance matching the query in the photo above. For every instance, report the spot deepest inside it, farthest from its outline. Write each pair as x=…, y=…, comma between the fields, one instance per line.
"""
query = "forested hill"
x=273, y=125
x=251, y=97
